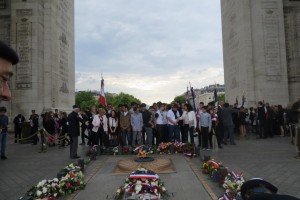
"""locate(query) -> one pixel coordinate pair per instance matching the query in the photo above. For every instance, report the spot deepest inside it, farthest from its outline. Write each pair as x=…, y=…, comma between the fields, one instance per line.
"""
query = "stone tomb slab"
x=183, y=184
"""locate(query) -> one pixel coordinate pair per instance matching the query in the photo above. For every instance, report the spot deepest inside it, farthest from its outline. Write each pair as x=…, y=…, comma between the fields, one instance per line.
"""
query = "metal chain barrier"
x=24, y=138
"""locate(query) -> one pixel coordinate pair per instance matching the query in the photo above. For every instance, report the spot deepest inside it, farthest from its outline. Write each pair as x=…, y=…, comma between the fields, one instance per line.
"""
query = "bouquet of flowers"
x=72, y=168
x=142, y=184
x=45, y=189
x=211, y=166
x=67, y=184
x=164, y=148
x=232, y=184
x=178, y=146
x=71, y=182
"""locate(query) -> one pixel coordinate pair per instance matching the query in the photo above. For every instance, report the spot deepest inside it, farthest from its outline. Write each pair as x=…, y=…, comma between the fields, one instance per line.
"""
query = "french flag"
x=102, y=98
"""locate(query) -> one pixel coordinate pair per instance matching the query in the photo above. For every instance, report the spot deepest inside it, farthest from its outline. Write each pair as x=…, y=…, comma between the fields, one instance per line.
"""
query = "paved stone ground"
x=271, y=159
x=25, y=167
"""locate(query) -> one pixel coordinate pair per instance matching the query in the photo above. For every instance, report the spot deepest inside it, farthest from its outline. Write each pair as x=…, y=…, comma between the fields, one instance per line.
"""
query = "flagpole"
x=193, y=96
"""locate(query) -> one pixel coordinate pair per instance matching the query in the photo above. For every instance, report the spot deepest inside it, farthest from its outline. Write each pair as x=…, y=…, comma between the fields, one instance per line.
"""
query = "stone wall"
x=254, y=48
x=42, y=32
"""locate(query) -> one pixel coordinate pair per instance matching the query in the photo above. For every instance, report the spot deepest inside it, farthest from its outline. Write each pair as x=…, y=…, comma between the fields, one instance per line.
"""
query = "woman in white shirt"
x=192, y=120
x=100, y=129
x=113, y=127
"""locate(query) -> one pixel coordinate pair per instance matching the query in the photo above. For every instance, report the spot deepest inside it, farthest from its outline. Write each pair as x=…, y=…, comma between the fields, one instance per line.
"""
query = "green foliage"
x=121, y=98
x=179, y=99
x=85, y=99
x=221, y=97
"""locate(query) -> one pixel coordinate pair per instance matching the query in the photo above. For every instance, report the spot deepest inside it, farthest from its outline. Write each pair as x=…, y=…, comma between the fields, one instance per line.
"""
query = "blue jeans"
x=173, y=132
x=126, y=134
x=149, y=134
x=136, y=135
x=3, y=137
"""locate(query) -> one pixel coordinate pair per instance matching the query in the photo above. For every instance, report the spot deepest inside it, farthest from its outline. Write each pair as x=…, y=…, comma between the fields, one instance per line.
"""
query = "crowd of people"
x=137, y=125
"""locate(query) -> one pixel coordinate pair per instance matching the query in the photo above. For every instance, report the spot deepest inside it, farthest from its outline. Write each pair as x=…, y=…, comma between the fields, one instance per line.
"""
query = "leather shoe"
x=75, y=157
x=3, y=157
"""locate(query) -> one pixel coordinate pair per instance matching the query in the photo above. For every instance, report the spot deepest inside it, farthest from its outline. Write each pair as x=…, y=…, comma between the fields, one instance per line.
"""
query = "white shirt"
x=185, y=117
x=96, y=123
x=162, y=118
x=112, y=122
x=171, y=115
x=192, y=119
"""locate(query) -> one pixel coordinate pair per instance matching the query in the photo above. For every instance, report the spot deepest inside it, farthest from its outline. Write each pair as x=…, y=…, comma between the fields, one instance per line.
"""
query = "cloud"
x=150, y=49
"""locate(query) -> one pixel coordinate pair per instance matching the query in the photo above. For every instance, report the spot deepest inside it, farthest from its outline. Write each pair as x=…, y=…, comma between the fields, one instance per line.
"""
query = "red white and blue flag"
x=102, y=98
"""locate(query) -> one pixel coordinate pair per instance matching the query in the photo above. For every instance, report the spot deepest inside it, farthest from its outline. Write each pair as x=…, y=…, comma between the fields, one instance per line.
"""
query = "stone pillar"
x=269, y=51
x=292, y=38
x=237, y=51
x=42, y=33
x=254, y=51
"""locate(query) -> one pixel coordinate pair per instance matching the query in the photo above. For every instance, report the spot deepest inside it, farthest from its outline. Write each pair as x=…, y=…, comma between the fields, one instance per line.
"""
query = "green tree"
x=85, y=99
x=221, y=97
x=121, y=98
x=179, y=99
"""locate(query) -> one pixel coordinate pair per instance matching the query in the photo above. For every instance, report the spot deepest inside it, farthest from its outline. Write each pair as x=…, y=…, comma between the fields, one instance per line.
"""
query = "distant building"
x=206, y=94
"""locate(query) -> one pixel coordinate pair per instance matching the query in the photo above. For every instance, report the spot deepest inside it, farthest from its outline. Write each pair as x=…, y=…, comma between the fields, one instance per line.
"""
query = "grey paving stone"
x=271, y=159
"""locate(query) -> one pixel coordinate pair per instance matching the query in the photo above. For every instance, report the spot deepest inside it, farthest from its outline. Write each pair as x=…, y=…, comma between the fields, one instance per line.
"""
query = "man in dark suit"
x=228, y=124
x=220, y=128
x=18, y=122
x=74, y=130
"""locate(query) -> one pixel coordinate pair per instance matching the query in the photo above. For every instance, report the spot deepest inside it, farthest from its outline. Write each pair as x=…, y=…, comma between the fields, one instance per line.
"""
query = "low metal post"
x=297, y=141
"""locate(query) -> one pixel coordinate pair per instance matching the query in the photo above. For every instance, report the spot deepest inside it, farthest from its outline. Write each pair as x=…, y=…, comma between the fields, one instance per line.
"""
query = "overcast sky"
x=148, y=48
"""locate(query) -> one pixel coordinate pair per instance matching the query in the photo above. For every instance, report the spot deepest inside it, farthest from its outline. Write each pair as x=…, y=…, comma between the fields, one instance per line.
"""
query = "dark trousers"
x=73, y=146
x=174, y=133
x=185, y=134
x=18, y=132
x=191, y=133
x=161, y=128
x=228, y=132
x=261, y=129
x=144, y=136
x=105, y=138
x=204, y=133
x=126, y=134
x=220, y=134
x=83, y=135
x=94, y=138
x=64, y=138
x=268, y=129
x=199, y=137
